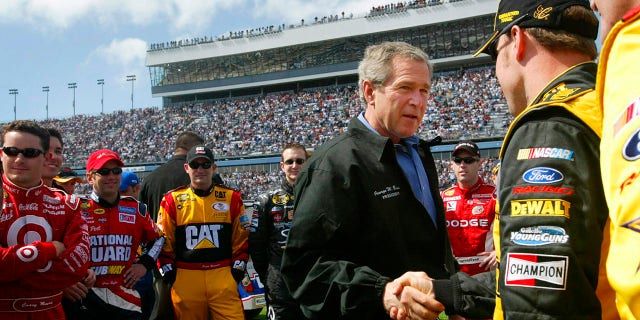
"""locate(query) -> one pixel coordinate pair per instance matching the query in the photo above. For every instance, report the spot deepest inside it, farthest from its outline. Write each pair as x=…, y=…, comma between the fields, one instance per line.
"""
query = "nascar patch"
x=540, y=208
x=536, y=271
x=538, y=153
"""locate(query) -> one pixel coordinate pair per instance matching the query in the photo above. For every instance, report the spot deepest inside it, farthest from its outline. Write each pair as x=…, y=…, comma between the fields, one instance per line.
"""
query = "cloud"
x=125, y=53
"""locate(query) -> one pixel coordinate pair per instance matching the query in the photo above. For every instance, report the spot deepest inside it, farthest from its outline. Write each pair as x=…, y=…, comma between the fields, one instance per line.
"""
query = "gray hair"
x=376, y=64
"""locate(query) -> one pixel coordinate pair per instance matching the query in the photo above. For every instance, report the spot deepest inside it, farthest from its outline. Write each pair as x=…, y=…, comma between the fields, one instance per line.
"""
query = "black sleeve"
x=314, y=266
x=468, y=296
x=259, y=237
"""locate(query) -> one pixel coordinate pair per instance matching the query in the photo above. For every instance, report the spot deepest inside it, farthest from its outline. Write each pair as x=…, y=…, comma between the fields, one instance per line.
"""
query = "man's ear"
x=368, y=89
x=519, y=42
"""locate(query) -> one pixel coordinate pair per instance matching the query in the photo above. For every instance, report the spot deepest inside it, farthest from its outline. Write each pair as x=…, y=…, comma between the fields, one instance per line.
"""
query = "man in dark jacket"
x=367, y=206
x=269, y=230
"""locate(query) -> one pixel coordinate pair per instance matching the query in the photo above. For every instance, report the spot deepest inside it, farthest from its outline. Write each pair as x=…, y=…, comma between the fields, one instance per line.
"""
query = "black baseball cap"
x=537, y=14
x=199, y=152
x=466, y=145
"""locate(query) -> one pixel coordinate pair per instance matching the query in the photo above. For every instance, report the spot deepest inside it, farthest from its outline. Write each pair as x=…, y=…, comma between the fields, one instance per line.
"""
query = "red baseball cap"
x=99, y=158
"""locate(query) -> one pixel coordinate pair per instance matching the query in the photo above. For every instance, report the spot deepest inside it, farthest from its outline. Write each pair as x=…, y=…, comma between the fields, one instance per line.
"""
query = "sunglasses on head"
x=106, y=171
x=26, y=152
x=492, y=49
x=298, y=161
x=467, y=160
x=196, y=165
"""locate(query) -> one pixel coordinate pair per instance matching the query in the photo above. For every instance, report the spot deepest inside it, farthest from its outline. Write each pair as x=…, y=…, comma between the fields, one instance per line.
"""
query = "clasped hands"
x=411, y=297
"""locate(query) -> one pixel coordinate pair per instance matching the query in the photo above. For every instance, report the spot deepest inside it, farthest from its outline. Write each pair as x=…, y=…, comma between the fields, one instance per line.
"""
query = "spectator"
x=205, y=255
x=53, y=158
x=165, y=178
x=67, y=180
x=45, y=245
x=130, y=185
x=269, y=229
x=470, y=212
x=117, y=226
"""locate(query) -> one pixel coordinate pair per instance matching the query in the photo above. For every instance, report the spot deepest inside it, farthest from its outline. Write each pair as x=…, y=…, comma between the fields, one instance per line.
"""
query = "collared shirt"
x=411, y=164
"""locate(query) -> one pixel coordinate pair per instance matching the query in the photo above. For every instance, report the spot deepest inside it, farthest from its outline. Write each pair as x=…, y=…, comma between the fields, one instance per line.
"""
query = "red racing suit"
x=207, y=236
x=470, y=214
x=116, y=231
x=31, y=276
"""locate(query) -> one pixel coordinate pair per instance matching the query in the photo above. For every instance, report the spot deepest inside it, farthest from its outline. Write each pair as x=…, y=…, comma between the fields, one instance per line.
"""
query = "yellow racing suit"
x=619, y=95
x=206, y=245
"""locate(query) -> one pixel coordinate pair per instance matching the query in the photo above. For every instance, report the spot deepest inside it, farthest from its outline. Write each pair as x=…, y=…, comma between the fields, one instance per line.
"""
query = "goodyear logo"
x=540, y=208
x=542, y=13
x=98, y=211
x=537, y=153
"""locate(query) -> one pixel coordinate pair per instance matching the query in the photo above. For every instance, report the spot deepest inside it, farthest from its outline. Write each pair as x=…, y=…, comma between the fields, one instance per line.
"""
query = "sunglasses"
x=492, y=49
x=298, y=161
x=196, y=165
x=26, y=152
x=467, y=160
x=106, y=171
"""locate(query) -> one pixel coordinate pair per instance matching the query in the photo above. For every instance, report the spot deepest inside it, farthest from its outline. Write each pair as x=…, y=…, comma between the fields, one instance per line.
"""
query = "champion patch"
x=451, y=205
x=536, y=271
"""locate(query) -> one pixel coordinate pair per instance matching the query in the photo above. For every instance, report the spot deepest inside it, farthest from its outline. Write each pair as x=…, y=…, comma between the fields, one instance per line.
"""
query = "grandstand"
x=250, y=92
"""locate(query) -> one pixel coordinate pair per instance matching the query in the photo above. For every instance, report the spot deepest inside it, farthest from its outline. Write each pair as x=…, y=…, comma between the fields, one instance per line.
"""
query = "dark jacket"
x=552, y=209
x=270, y=226
x=358, y=225
x=163, y=179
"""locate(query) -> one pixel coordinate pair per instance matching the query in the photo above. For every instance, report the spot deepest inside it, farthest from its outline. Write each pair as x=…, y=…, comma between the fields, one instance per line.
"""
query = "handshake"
x=411, y=297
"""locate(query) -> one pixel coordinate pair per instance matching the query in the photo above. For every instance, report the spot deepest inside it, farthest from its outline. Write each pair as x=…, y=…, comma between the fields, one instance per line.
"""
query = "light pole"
x=101, y=83
x=73, y=86
x=14, y=92
x=46, y=89
x=132, y=78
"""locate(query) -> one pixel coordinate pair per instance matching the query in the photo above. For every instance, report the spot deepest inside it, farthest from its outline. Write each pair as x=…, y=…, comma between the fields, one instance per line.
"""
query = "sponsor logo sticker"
x=539, y=175
x=542, y=189
x=451, y=205
x=477, y=210
x=631, y=148
x=629, y=113
x=551, y=153
x=540, y=208
x=127, y=218
x=539, y=236
x=536, y=271
x=220, y=206
x=128, y=210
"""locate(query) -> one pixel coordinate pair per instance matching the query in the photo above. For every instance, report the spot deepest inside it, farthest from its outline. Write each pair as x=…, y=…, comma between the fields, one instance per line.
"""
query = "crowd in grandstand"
x=464, y=104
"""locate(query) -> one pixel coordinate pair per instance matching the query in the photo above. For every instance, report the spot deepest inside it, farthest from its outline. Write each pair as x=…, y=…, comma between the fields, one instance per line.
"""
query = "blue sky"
x=56, y=42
